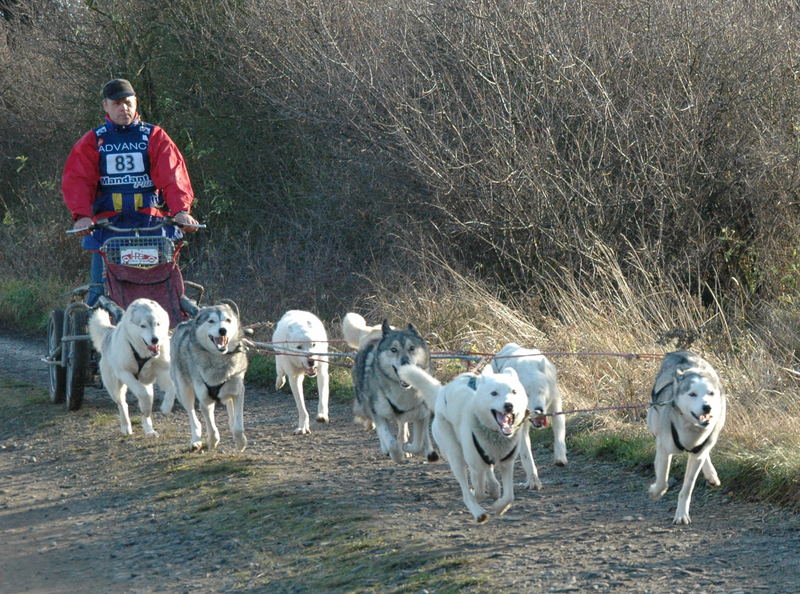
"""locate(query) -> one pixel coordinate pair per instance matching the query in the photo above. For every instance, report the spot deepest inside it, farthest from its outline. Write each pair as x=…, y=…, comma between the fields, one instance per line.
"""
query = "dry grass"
x=623, y=314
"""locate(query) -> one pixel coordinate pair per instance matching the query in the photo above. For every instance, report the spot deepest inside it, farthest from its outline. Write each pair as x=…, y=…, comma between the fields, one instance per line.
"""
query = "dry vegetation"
x=598, y=176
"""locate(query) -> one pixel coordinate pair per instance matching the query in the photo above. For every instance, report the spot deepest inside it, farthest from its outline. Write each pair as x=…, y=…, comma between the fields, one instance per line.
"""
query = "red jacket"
x=81, y=176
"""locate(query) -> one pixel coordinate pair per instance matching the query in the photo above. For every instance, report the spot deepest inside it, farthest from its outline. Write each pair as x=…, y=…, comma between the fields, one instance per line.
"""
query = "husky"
x=134, y=355
x=686, y=414
x=209, y=362
x=386, y=402
x=479, y=422
x=299, y=339
x=538, y=376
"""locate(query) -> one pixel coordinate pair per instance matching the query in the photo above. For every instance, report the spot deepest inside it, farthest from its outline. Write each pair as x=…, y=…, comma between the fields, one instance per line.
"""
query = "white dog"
x=686, y=414
x=134, y=355
x=209, y=362
x=479, y=423
x=299, y=338
x=538, y=375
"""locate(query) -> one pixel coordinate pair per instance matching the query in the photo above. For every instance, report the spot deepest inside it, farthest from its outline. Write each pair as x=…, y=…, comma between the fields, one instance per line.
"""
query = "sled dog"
x=134, y=355
x=686, y=414
x=208, y=363
x=386, y=402
x=538, y=376
x=479, y=423
x=299, y=338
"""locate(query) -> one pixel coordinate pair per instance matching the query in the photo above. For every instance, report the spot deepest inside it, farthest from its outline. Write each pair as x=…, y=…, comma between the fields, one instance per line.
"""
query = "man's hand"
x=82, y=225
x=184, y=218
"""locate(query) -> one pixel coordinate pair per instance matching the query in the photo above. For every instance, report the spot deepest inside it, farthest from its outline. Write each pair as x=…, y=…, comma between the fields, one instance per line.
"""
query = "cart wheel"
x=77, y=358
x=58, y=374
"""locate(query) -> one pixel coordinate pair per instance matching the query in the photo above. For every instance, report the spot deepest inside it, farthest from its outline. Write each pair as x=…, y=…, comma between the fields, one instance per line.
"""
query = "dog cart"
x=137, y=264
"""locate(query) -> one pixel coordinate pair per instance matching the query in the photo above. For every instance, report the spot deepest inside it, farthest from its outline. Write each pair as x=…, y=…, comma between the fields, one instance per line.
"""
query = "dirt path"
x=85, y=510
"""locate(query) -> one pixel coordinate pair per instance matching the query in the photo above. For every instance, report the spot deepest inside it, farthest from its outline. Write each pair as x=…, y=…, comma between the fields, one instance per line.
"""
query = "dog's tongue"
x=220, y=341
x=505, y=421
x=153, y=348
x=540, y=421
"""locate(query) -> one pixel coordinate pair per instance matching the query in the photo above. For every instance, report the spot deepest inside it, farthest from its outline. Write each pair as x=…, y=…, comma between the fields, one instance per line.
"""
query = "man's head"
x=119, y=101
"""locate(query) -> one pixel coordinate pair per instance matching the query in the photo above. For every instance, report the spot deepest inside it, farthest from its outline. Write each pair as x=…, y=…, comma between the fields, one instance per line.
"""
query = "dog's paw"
x=302, y=431
x=323, y=419
x=560, y=461
x=533, y=485
x=714, y=482
x=152, y=433
x=500, y=507
x=482, y=518
x=681, y=519
x=656, y=492
x=196, y=446
x=433, y=456
x=241, y=441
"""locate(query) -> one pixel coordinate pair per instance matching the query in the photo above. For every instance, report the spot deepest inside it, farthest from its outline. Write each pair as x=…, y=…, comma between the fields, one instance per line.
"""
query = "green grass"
x=26, y=305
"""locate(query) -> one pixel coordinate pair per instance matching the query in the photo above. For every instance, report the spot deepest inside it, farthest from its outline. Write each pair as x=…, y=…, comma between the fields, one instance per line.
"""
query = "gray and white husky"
x=209, y=363
x=686, y=414
x=134, y=354
x=386, y=402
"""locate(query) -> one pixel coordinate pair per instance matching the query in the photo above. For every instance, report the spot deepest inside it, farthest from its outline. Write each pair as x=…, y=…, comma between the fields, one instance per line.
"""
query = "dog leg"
x=212, y=433
x=168, y=387
x=296, y=384
x=559, y=436
x=389, y=444
x=661, y=463
x=145, y=397
x=459, y=468
x=118, y=390
x=323, y=381
x=235, y=407
x=507, y=474
x=186, y=395
x=526, y=458
x=693, y=466
x=710, y=473
x=280, y=374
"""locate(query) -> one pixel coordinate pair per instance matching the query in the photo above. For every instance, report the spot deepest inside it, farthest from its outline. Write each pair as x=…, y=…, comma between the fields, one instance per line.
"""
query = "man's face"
x=120, y=111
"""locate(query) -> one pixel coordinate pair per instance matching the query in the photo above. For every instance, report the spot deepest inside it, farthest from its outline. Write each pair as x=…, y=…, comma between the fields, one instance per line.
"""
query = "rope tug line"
x=480, y=360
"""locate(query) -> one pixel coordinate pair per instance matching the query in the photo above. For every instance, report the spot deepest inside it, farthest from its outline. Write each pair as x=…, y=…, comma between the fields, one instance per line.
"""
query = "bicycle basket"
x=138, y=252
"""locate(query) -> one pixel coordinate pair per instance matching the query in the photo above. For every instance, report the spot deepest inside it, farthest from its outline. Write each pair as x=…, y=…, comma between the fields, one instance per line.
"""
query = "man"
x=126, y=171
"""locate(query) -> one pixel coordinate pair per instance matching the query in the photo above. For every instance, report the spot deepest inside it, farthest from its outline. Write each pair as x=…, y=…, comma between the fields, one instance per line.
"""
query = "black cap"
x=118, y=88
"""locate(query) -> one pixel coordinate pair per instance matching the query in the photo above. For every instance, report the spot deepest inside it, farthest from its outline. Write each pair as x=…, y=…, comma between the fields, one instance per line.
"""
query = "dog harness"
x=213, y=391
x=140, y=361
x=485, y=457
x=679, y=445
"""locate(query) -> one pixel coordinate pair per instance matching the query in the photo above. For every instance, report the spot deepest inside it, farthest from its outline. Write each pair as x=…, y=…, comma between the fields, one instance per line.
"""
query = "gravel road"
x=77, y=513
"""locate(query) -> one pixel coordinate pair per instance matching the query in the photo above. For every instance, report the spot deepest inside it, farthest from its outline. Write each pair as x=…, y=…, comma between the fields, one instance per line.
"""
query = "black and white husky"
x=686, y=414
x=479, y=423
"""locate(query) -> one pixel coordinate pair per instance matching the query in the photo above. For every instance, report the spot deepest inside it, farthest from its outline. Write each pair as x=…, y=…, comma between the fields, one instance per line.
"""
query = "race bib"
x=124, y=163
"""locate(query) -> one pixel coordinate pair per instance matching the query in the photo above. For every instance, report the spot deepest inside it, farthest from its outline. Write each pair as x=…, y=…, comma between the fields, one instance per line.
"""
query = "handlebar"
x=106, y=224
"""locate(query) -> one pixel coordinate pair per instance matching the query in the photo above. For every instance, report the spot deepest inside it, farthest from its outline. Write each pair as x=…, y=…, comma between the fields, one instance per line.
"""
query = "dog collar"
x=485, y=457
x=679, y=445
x=396, y=410
x=140, y=361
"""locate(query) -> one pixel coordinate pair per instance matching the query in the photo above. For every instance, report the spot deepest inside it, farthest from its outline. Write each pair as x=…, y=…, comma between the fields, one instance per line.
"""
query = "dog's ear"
x=412, y=329
x=385, y=327
x=512, y=372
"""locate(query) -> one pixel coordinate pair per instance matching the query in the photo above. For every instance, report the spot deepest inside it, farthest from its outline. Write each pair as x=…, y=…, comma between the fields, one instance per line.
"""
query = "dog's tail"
x=355, y=329
x=427, y=385
x=99, y=327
